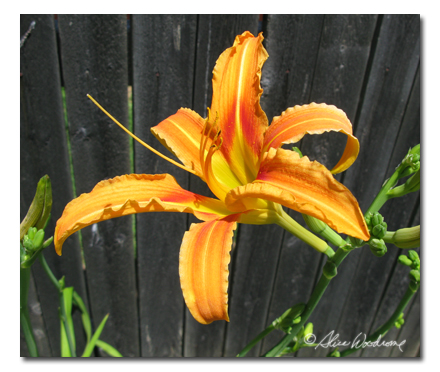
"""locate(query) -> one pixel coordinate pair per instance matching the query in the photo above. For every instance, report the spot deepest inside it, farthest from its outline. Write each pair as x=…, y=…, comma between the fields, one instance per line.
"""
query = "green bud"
x=399, y=323
x=376, y=219
x=404, y=238
x=28, y=244
x=377, y=247
x=308, y=330
x=330, y=270
x=38, y=239
x=380, y=230
x=31, y=233
x=48, y=242
x=335, y=354
x=404, y=260
x=40, y=208
x=415, y=275
x=413, y=256
x=367, y=218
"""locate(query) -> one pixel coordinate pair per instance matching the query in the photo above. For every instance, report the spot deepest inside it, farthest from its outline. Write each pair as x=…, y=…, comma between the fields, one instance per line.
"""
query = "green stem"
x=56, y=283
x=25, y=321
x=64, y=319
x=313, y=301
x=49, y=272
x=388, y=325
x=289, y=224
x=255, y=341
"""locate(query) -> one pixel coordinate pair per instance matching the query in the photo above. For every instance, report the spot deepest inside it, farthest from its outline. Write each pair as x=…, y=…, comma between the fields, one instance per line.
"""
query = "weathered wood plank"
x=43, y=150
x=215, y=33
x=164, y=53
x=94, y=60
x=341, y=45
x=390, y=80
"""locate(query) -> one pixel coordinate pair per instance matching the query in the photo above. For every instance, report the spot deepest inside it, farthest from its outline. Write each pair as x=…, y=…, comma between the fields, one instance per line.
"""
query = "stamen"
x=205, y=161
x=139, y=140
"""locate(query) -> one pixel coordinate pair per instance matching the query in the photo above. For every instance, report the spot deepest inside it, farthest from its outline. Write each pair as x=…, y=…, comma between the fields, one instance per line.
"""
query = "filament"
x=139, y=140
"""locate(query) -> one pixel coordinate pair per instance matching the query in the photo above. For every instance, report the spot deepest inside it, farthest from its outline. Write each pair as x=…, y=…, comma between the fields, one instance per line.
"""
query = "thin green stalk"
x=388, y=325
x=382, y=196
x=255, y=341
x=25, y=321
x=49, y=272
x=313, y=301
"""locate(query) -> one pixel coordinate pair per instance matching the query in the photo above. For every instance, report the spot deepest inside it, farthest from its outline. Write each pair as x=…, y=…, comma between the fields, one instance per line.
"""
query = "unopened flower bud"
x=376, y=219
x=404, y=260
x=415, y=275
x=39, y=211
x=377, y=247
x=380, y=230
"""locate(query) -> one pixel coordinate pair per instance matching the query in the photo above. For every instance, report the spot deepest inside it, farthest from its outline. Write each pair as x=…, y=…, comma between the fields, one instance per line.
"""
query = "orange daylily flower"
x=239, y=156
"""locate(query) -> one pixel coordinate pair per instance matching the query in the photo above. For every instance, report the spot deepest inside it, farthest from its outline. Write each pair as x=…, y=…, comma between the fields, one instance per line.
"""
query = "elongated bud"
x=404, y=238
x=39, y=211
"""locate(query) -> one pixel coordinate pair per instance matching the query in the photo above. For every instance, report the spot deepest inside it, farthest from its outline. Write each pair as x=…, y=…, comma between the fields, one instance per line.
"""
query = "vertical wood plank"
x=215, y=33
x=341, y=48
x=43, y=150
x=391, y=77
x=94, y=58
x=164, y=53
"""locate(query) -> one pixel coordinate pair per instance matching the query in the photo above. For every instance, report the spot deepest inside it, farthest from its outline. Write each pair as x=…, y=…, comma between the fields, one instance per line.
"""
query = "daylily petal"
x=314, y=118
x=135, y=193
x=305, y=186
x=236, y=101
x=203, y=268
x=180, y=133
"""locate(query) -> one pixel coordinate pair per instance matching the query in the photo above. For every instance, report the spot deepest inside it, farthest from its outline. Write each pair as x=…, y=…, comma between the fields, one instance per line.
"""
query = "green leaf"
x=108, y=349
x=66, y=319
x=87, y=324
x=90, y=346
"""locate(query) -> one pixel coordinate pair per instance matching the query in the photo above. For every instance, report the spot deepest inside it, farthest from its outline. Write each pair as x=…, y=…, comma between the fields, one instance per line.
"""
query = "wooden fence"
x=367, y=65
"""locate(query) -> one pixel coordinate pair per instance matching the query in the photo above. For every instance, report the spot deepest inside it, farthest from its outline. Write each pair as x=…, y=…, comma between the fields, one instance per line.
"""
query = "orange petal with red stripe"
x=314, y=118
x=203, y=268
x=305, y=186
x=236, y=101
x=180, y=133
x=128, y=194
